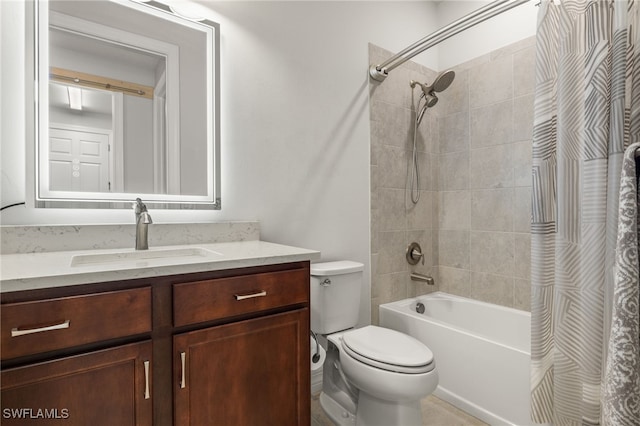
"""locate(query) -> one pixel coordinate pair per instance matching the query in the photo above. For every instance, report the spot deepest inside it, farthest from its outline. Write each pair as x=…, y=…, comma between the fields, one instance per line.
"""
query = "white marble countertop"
x=31, y=271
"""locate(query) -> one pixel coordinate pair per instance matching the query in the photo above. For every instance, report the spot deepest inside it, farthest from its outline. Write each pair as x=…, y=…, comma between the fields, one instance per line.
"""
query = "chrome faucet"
x=143, y=219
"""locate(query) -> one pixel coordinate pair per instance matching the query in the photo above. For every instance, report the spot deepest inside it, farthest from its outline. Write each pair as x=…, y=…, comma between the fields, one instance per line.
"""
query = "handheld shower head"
x=430, y=98
x=442, y=81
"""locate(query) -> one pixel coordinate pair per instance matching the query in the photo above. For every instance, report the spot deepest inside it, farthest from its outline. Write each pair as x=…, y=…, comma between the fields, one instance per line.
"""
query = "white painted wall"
x=502, y=30
x=12, y=104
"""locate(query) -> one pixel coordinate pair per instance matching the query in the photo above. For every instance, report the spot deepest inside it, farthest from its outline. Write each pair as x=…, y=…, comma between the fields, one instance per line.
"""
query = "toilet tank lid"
x=335, y=268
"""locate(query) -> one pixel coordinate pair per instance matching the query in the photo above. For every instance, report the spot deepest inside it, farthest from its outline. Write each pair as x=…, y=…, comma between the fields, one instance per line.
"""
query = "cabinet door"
x=107, y=387
x=253, y=372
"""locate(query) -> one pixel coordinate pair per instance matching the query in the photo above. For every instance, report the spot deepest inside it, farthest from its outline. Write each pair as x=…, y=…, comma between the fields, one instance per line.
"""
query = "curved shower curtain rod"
x=381, y=71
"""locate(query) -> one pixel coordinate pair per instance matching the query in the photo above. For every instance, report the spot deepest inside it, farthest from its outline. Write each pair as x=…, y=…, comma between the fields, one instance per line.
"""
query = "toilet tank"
x=335, y=295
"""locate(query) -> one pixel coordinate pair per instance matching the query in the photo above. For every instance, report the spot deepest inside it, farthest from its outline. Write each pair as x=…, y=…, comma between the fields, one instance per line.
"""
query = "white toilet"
x=371, y=375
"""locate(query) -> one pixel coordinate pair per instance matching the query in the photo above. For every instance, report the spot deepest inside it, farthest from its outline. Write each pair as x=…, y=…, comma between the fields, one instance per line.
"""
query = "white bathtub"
x=482, y=352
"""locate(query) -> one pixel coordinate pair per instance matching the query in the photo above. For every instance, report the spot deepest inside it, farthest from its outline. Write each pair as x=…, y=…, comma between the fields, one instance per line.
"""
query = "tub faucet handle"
x=414, y=253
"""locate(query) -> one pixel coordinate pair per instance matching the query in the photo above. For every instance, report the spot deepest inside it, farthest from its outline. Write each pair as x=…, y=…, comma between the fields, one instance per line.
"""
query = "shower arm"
x=381, y=71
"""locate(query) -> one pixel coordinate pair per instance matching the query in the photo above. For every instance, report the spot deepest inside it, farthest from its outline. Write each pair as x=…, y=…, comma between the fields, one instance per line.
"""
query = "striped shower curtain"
x=587, y=111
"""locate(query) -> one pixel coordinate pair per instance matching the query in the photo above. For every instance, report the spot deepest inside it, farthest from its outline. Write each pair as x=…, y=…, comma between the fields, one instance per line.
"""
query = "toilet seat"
x=388, y=350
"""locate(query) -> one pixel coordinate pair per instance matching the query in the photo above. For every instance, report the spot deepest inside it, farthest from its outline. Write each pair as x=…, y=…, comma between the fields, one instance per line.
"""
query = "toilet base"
x=372, y=411
x=336, y=412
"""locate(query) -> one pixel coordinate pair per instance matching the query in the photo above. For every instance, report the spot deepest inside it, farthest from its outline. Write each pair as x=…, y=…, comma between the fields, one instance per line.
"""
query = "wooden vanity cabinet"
x=228, y=347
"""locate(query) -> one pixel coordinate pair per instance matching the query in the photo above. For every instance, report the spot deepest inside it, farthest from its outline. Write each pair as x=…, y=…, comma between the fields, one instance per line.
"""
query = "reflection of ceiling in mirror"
x=93, y=100
x=59, y=39
x=127, y=19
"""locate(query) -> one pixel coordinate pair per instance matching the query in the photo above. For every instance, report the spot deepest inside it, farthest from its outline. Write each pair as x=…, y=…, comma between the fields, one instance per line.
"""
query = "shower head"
x=441, y=83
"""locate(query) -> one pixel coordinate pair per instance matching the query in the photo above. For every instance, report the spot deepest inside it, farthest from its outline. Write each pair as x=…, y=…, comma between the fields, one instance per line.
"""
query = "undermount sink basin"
x=170, y=255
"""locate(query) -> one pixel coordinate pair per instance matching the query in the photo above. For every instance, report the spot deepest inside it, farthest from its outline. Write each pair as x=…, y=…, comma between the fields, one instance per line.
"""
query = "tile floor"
x=435, y=412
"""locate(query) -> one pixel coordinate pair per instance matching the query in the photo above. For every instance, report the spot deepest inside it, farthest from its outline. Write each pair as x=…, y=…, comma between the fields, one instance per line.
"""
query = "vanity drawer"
x=208, y=300
x=44, y=325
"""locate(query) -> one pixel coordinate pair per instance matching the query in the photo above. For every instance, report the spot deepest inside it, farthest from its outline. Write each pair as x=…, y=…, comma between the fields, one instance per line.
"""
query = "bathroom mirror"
x=125, y=106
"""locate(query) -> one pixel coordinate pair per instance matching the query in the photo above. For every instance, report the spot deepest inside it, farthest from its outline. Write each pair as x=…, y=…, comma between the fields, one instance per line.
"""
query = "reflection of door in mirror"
x=78, y=160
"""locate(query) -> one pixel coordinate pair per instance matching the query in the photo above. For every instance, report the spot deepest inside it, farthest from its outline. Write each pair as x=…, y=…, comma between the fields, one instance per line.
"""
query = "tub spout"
x=422, y=278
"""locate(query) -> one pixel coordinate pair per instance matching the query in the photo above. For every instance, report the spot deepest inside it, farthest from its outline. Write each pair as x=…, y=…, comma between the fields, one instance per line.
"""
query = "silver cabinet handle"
x=15, y=332
x=146, y=380
x=250, y=296
x=183, y=380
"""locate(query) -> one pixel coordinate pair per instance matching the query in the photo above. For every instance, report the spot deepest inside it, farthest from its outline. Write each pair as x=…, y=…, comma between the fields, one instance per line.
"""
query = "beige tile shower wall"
x=395, y=221
x=473, y=217
x=484, y=192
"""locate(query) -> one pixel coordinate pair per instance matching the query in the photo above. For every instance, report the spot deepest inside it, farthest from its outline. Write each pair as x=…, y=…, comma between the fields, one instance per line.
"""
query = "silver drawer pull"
x=15, y=332
x=250, y=296
x=183, y=380
x=146, y=380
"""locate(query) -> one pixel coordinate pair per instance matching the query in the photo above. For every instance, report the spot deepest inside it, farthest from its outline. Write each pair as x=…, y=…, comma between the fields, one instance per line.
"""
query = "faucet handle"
x=414, y=254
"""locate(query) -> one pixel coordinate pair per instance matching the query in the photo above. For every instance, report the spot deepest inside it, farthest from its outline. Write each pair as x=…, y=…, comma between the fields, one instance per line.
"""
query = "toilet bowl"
x=391, y=371
x=372, y=376
x=388, y=364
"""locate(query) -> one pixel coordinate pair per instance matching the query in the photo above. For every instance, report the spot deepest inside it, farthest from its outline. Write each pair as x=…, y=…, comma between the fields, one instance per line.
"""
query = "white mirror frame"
x=38, y=119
